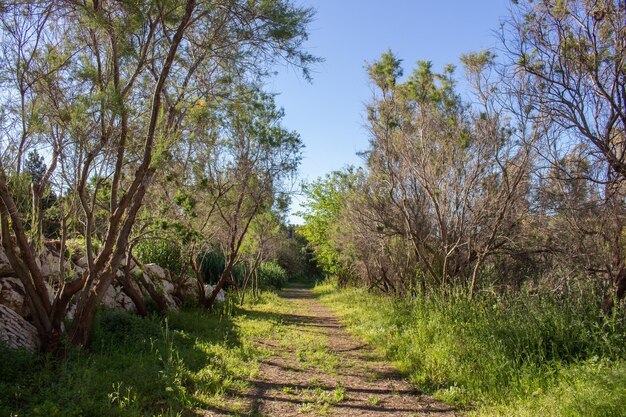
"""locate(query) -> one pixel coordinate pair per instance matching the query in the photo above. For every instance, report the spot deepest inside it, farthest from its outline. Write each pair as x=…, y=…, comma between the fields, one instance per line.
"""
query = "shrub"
x=272, y=275
x=164, y=253
x=121, y=328
x=212, y=266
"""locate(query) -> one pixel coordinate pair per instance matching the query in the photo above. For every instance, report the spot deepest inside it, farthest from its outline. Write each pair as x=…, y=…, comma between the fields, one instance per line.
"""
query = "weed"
x=373, y=400
x=339, y=394
x=122, y=397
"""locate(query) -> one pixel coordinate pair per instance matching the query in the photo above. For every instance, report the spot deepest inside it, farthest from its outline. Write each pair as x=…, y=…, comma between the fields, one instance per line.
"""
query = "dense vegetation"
x=489, y=229
x=193, y=360
x=518, y=187
x=141, y=129
x=482, y=244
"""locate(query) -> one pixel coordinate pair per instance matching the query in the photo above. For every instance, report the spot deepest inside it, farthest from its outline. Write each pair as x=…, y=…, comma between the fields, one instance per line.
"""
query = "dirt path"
x=314, y=367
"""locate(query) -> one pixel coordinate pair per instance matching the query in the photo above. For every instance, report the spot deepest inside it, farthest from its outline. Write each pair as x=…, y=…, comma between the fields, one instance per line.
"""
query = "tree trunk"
x=208, y=302
x=81, y=326
x=133, y=292
x=155, y=294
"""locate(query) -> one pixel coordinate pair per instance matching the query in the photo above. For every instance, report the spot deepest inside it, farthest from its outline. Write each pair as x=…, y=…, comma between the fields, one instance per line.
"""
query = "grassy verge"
x=143, y=367
x=503, y=356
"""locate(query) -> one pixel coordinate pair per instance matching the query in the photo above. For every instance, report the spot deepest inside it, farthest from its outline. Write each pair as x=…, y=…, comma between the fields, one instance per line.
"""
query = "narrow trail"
x=316, y=368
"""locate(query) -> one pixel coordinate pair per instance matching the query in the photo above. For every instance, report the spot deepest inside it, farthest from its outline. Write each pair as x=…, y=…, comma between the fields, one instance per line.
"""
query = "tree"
x=264, y=233
x=326, y=198
x=575, y=52
x=451, y=174
x=246, y=170
x=118, y=90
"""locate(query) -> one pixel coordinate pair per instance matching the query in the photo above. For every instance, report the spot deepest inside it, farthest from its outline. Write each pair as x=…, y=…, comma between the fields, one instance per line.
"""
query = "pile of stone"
x=149, y=280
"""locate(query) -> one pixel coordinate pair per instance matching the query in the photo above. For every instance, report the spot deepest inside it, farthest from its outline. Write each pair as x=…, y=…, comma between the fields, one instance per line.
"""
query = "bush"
x=164, y=253
x=272, y=275
x=212, y=266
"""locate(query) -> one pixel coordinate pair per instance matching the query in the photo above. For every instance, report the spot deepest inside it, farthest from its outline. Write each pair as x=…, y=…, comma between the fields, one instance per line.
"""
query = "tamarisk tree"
x=117, y=79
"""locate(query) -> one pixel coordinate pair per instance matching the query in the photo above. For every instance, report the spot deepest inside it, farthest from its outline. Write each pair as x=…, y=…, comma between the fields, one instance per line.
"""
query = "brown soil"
x=360, y=383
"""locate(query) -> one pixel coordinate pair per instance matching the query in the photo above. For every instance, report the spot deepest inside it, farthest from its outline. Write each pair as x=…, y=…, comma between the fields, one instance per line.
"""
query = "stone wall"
x=16, y=328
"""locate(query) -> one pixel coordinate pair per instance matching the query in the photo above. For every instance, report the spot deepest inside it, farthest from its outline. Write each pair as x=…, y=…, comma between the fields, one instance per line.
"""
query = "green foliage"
x=186, y=201
x=19, y=186
x=593, y=388
x=496, y=349
x=35, y=166
x=212, y=266
x=272, y=275
x=76, y=246
x=165, y=253
x=325, y=199
x=119, y=328
x=386, y=72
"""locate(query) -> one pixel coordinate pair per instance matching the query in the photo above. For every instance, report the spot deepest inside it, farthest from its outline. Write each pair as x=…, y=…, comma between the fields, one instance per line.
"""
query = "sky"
x=329, y=112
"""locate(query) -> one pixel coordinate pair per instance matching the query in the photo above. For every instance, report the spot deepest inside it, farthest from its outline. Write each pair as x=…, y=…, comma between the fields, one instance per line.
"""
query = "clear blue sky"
x=328, y=113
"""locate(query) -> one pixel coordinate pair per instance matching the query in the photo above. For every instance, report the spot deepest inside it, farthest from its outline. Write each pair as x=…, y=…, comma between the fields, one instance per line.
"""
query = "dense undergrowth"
x=523, y=355
x=141, y=367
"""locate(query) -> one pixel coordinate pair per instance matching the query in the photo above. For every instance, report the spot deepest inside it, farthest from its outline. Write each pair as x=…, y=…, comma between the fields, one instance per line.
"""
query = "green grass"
x=499, y=355
x=143, y=367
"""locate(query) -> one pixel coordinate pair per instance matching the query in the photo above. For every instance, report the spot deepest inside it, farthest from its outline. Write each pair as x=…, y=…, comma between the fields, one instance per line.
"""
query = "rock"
x=124, y=302
x=208, y=289
x=155, y=271
x=168, y=287
x=50, y=292
x=71, y=312
x=49, y=263
x=13, y=296
x=5, y=266
x=160, y=280
x=108, y=301
x=78, y=271
x=188, y=289
x=116, y=298
x=82, y=262
x=16, y=331
x=133, y=264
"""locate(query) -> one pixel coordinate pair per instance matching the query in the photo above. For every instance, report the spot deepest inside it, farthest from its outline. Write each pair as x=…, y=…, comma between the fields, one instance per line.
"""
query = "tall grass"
x=518, y=351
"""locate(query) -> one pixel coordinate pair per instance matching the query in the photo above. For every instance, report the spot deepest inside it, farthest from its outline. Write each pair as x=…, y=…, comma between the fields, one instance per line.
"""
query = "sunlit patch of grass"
x=373, y=400
x=319, y=399
x=195, y=359
x=290, y=390
x=310, y=350
x=594, y=388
